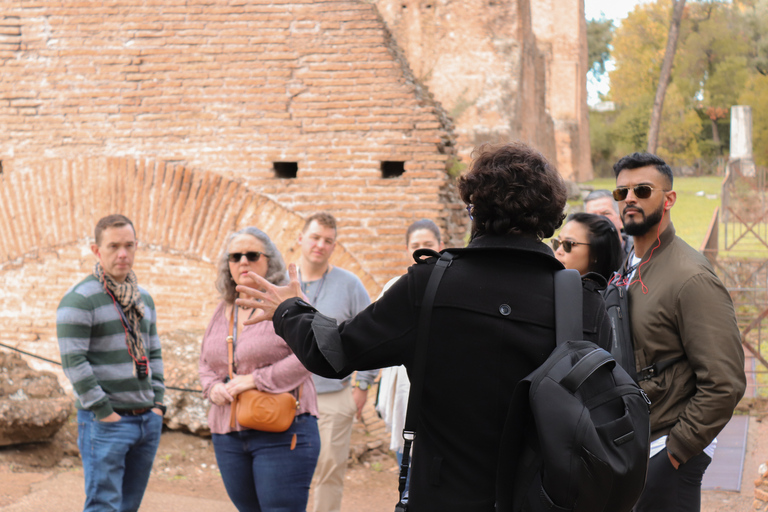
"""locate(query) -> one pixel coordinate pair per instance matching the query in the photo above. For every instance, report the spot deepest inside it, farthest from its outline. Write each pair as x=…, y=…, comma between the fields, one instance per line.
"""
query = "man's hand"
x=111, y=418
x=674, y=462
x=359, y=396
x=219, y=394
x=157, y=411
x=265, y=297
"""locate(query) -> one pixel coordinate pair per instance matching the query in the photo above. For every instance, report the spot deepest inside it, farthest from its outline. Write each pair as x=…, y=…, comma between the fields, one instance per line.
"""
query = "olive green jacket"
x=679, y=307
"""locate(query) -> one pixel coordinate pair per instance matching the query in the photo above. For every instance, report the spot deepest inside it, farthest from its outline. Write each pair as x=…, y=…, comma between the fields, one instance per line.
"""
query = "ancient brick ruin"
x=503, y=70
x=197, y=118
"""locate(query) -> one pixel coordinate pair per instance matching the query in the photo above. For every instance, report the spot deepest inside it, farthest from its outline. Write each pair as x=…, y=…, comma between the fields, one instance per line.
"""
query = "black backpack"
x=616, y=297
x=617, y=306
x=577, y=432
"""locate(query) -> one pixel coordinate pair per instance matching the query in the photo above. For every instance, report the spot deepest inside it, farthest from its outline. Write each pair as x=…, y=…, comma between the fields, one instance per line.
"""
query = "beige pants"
x=337, y=413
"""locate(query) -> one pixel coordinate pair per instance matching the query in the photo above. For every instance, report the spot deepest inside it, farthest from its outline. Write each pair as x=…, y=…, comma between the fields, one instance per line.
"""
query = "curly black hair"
x=512, y=188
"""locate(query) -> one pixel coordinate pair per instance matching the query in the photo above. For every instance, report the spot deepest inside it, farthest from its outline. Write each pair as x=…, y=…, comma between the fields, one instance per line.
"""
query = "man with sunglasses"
x=338, y=294
x=110, y=351
x=687, y=343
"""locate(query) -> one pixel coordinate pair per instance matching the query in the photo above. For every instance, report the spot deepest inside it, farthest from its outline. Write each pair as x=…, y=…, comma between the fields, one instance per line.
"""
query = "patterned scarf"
x=127, y=294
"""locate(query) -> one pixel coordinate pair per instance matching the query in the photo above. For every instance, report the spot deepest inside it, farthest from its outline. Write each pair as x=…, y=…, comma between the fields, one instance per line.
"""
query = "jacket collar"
x=665, y=239
x=513, y=243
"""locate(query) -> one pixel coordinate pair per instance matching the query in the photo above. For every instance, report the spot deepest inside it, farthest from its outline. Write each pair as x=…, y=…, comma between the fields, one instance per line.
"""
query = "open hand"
x=265, y=296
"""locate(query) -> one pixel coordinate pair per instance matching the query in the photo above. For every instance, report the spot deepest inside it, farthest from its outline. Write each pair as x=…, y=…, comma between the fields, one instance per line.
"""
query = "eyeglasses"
x=470, y=207
x=567, y=244
x=641, y=192
x=252, y=256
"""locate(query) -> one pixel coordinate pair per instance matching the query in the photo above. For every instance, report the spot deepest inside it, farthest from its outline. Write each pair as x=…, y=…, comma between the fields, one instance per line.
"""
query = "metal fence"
x=737, y=246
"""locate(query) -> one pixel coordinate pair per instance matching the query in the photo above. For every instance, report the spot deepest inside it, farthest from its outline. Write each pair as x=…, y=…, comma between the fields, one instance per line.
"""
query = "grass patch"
x=692, y=213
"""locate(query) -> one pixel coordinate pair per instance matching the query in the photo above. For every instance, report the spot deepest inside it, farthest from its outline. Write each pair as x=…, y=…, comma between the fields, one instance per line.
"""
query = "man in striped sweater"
x=110, y=351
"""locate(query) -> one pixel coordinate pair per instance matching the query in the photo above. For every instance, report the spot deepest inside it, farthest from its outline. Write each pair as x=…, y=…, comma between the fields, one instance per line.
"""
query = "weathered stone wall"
x=561, y=33
x=231, y=87
x=504, y=69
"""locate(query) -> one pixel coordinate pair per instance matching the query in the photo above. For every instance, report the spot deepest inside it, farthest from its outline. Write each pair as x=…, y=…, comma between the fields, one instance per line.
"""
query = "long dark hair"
x=604, y=243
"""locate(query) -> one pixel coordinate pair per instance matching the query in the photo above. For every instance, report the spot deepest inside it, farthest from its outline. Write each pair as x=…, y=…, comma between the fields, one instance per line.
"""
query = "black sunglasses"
x=253, y=256
x=641, y=192
x=567, y=244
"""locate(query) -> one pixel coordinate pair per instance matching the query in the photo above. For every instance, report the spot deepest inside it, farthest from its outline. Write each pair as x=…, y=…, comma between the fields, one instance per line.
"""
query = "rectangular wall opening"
x=285, y=170
x=390, y=169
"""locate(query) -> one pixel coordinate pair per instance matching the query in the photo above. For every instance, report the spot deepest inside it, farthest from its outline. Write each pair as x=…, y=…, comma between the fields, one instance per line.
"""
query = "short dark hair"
x=513, y=189
x=637, y=160
x=422, y=224
x=111, y=221
x=604, y=243
x=322, y=218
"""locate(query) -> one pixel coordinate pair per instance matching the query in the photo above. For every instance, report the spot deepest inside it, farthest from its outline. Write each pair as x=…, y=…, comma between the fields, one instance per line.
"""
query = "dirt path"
x=185, y=479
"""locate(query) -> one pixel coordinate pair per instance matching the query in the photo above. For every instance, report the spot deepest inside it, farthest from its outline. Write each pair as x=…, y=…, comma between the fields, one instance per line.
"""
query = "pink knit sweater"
x=258, y=351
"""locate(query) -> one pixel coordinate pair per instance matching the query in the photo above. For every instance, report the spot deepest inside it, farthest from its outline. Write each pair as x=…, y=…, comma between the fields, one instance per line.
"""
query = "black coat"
x=476, y=356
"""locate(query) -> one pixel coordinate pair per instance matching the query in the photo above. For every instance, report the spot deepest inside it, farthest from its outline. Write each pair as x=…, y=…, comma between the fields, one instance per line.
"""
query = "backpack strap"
x=568, y=306
x=419, y=364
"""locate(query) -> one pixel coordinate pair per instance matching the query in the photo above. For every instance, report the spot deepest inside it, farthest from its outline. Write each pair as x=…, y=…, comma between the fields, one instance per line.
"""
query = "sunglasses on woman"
x=252, y=256
x=641, y=192
x=567, y=244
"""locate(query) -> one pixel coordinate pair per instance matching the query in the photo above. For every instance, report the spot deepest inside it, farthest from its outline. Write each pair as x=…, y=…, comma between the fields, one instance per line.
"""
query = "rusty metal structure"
x=737, y=246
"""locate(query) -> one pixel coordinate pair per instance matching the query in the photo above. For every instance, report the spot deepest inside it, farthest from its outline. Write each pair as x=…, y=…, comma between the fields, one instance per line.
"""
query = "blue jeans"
x=260, y=471
x=117, y=459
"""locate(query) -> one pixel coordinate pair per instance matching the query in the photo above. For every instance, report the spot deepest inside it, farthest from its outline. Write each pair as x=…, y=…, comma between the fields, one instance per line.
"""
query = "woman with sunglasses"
x=262, y=471
x=589, y=243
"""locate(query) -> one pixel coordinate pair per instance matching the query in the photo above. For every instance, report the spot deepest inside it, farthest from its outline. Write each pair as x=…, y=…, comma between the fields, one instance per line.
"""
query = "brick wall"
x=513, y=69
x=228, y=87
x=561, y=32
x=182, y=218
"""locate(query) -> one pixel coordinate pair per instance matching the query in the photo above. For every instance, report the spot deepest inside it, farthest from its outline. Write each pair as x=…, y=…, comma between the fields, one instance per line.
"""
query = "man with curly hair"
x=492, y=324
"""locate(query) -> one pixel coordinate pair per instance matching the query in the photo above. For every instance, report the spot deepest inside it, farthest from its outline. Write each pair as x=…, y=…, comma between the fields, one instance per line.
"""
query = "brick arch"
x=182, y=216
x=175, y=209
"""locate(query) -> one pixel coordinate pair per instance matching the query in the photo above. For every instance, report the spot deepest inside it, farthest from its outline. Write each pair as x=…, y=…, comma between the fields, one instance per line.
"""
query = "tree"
x=599, y=36
x=666, y=74
x=756, y=96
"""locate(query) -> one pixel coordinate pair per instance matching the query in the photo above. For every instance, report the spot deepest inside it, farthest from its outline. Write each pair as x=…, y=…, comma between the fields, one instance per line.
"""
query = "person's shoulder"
x=341, y=275
x=687, y=260
x=147, y=298
x=83, y=292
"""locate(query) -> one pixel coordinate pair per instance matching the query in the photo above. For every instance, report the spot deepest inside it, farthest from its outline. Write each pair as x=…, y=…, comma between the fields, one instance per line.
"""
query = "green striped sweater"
x=94, y=353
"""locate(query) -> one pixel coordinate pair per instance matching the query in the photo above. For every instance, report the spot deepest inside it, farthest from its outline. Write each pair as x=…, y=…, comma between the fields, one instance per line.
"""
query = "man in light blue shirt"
x=339, y=294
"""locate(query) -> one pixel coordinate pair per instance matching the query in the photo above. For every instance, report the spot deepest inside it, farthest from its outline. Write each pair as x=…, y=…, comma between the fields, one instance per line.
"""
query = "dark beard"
x=642, y=227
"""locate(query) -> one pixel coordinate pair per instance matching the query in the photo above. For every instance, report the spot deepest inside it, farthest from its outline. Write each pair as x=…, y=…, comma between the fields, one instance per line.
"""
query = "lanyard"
x=305, y=286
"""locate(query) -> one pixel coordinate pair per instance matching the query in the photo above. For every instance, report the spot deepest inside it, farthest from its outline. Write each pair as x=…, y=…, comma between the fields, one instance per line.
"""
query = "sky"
x=610, y=9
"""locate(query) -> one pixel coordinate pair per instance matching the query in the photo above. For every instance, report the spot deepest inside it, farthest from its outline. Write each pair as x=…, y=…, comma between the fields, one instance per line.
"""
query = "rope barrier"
x=59, y=364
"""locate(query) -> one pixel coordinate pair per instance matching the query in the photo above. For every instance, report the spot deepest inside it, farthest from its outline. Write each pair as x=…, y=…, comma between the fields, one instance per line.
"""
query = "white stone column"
x=741, y=139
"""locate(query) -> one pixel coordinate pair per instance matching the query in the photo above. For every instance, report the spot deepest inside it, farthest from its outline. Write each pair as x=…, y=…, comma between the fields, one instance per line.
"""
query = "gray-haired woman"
x=261, y=470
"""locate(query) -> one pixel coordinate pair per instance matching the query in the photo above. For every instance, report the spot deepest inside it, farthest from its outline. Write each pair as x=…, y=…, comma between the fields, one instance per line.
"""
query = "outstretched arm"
x=265, y=296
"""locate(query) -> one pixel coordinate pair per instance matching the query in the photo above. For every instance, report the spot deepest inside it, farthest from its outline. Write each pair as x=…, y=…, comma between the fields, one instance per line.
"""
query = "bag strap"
x=419, y=365
x=231, y=361
x=568, y=306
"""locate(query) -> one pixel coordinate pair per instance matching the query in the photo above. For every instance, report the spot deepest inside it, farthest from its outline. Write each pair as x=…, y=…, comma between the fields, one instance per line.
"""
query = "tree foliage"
x=721, y=60
x=599, y=36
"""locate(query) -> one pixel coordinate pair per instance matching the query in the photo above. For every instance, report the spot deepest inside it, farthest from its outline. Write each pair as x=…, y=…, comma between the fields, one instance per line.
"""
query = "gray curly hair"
x=276, y=269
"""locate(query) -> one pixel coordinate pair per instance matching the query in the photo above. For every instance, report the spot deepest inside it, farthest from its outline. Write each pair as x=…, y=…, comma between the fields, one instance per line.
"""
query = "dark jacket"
x=476, y=356
x=682, y=309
